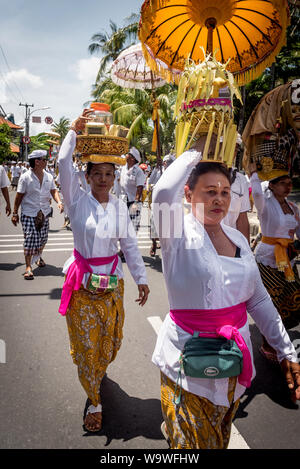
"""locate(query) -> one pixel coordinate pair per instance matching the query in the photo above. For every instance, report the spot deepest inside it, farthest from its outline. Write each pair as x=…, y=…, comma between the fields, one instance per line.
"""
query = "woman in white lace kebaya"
x=212, y=277
x=95, y=318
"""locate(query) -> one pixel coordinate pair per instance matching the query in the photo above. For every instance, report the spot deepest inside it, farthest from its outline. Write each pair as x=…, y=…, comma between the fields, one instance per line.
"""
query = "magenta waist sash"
x=75, y=274
x=223, y=322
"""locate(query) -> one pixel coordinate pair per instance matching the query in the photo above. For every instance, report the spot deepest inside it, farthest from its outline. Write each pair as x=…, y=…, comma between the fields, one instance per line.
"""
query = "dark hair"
x=90, y=166
x=204, y=168
x=32, y=162
x=280, y=178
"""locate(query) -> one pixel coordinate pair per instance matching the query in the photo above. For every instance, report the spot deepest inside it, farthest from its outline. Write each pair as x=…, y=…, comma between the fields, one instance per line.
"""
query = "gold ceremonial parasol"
x=248, y=34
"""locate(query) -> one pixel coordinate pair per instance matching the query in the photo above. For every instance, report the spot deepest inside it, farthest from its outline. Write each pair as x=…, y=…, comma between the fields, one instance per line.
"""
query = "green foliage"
x=62, y=127
x=39, y=142
x=5, y=139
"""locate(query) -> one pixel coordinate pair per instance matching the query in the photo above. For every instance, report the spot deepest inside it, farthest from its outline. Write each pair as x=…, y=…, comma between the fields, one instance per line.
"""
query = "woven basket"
x=101, y=147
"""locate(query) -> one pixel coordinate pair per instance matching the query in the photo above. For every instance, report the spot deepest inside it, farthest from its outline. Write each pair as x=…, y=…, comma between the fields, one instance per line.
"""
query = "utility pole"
x=27, y=117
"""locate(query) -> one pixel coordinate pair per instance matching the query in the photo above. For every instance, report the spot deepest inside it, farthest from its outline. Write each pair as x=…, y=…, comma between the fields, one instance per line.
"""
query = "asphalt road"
x=41, y=400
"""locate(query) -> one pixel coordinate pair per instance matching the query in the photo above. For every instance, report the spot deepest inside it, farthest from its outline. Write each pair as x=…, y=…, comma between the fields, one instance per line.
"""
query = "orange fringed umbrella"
x=246, y=33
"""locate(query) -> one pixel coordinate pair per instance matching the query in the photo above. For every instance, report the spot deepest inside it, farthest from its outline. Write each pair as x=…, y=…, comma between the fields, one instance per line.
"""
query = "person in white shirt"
x=280, y=223
x=34, y=192
x=212, y=281
x=154, y=177
x=4, y=185
x=15, y=174
x=95, y=318
x=132, y=180
x=237, y=216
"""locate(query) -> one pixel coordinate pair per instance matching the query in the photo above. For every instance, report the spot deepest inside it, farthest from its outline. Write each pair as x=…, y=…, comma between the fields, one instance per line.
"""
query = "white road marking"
x=236, y=439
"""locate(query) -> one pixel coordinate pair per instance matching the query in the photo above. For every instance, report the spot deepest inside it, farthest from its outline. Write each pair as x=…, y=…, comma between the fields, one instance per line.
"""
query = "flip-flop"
x=41, y=263
x=28, y=275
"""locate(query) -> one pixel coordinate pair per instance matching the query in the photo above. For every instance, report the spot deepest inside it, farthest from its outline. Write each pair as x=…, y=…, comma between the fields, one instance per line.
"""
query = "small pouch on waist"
x=211, y=358
x=102, y=283
x=39, y=220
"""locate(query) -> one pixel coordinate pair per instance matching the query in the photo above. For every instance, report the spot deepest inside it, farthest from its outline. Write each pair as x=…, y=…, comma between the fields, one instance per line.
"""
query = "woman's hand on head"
x=143, y=294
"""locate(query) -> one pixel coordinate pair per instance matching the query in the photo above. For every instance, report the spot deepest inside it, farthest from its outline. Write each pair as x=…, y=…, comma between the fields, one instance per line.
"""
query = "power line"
x=9, y=69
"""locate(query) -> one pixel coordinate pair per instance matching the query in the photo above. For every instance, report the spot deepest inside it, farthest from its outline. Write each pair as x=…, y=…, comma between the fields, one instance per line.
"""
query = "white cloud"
x=87, y=69
x=23, y=78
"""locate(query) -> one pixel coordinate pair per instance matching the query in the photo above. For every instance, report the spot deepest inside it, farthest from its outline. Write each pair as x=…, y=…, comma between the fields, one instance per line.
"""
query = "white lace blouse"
x=198, y=278
x=273, y=222
x=96, y=229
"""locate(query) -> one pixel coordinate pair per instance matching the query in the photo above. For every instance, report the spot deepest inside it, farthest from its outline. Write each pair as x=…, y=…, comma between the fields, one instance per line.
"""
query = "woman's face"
x=101, y=178
x=282, y=188
x=210, y=198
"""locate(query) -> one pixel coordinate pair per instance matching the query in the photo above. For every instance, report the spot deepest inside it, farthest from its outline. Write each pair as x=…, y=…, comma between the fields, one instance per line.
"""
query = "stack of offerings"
x=102, y=141
x=201, y=110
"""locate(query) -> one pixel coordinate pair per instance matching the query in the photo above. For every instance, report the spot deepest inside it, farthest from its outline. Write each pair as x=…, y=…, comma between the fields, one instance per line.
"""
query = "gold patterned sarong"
x=95, y=325
x=197, y=423
x=285, y=295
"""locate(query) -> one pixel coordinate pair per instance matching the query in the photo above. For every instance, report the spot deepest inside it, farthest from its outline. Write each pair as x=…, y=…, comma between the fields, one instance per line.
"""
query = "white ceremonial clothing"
x=15, y=171
x=198, y=278
x=155, y=175
x=4, y=180
x=97, y=229
x=36, y=196
x=130, y=179
x=240, y=201
x=273, y=222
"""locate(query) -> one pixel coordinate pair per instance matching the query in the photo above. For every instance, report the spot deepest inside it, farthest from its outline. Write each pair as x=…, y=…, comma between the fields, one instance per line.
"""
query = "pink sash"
x=75, y=275
x=223, y=322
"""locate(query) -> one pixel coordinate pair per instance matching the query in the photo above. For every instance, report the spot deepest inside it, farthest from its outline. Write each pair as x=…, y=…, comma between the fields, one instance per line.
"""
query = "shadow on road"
x=8, y=267
x=153, y=262
x=48, y=270
x=269, y=379
x=126, y=417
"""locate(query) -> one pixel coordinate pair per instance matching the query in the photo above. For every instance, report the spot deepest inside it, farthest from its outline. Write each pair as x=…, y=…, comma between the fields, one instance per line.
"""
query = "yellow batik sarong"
x=196, y=423
x=95, y=325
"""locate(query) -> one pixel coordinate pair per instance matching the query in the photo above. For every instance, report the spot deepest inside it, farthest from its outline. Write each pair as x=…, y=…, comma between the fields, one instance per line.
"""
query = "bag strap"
x=177, y=400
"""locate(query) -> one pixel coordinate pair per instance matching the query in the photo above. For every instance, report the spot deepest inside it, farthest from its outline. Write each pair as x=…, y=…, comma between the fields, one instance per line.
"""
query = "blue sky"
x=44, y=58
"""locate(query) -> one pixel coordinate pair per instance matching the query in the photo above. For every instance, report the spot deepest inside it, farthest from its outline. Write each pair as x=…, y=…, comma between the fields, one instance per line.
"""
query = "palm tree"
x=110, y=45
x=62, y=127
x=133, y=109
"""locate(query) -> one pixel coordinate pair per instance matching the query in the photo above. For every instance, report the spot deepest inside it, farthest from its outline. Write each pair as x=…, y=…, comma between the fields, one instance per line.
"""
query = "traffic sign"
x=26, y=140
x=48, y=120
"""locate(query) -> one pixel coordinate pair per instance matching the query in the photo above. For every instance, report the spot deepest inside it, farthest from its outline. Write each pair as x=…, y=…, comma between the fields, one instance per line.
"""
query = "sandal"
x=269, y=355
x=40, y=263
x=28, y=275
x=95, y=418
x=153, y=251
x=163, y=429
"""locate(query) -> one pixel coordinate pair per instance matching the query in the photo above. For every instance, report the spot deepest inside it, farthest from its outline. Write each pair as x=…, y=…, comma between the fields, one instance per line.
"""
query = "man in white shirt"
x=4, y=185
x=237, y=216
x=132, y=180
x=15, y=174
x=34, y=192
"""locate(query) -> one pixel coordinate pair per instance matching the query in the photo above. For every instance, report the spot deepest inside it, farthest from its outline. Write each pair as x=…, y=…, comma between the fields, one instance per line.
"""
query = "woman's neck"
x=101, y=198
x=280, y=199
x=213, y=230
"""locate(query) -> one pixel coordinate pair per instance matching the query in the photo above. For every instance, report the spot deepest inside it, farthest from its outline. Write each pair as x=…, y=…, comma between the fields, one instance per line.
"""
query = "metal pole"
x=27, y=117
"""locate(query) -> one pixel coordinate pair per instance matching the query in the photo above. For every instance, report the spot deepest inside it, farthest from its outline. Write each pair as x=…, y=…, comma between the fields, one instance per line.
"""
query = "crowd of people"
x=213, y=278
